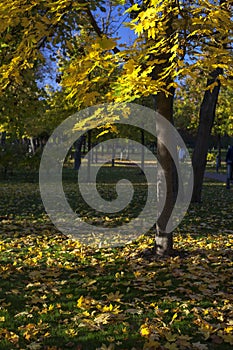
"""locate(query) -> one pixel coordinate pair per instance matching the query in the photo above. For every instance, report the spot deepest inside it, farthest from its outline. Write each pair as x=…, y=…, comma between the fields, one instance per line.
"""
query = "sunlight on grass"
x=57, y=294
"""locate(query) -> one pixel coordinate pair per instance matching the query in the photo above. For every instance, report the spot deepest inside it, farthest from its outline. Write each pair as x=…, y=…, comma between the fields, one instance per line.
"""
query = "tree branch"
x=96, y=27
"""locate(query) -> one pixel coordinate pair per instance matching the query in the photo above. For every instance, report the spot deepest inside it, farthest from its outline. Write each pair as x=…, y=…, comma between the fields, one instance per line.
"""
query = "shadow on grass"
x=56, y=294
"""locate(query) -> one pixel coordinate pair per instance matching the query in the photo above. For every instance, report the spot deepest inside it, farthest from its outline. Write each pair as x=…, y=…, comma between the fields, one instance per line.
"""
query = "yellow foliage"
x=144, y=330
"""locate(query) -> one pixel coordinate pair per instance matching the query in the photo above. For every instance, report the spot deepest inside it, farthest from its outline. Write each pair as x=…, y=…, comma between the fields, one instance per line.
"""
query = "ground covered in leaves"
x=57, y=294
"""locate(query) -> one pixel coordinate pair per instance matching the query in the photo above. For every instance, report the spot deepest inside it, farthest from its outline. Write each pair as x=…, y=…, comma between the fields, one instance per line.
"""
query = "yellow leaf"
x=80, y=302
x=117, y=275
x=107, y=308
x=228, y=329
x=27, y=335
x=51, y=307
x=102, y=319
x=71, y=332
x=135, y=7
x=107, y=43
x=174, y=317
x=86, y=313
x=144, y=330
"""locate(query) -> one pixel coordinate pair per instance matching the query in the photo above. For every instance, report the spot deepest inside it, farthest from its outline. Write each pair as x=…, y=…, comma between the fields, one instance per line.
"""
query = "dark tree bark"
x=3, y=138
x=207, y=115
x=89, y=155
x=164, y=106
x=78, y=153
x=113, y=153
x=164, y=240
x=219, y=153
x=143, y=150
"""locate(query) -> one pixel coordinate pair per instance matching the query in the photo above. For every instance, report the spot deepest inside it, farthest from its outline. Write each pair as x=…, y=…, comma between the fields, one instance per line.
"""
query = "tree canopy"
x=199, y=41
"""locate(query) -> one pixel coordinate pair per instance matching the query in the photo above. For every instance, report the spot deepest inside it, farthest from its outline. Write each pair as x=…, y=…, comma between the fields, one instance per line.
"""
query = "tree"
x=167, y=32
x=224, y=119
x=21, y=108
x=219, y=45
x=174, y=40
x=187, y=106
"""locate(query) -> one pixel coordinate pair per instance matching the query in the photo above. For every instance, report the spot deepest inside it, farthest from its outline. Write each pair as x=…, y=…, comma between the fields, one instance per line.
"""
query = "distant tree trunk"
x=207, y=115
x=164, y=240
x=219, y=151
x=3, y=138
x=78, y=153
x=113, y=153
x=127, y=154
x=96, y=153
x=84, y=144
x=89, y=155
x=143, y=149
x=32, y=145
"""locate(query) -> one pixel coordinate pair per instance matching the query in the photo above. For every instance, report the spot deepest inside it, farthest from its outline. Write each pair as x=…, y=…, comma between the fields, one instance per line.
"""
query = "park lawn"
x=57, y=294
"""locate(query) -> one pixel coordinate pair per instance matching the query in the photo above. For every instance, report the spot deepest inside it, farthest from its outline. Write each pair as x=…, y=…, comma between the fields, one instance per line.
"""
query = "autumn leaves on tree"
x=174, y=40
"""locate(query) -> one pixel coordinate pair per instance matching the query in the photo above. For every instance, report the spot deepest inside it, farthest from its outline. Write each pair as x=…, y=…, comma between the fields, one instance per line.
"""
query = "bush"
x=11, y=155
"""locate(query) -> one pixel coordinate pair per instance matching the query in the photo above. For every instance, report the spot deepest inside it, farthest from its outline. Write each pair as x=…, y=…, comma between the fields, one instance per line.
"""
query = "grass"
x=58, y=294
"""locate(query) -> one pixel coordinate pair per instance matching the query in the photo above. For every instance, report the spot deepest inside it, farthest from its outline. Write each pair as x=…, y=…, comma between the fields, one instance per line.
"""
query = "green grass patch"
x=57, y=294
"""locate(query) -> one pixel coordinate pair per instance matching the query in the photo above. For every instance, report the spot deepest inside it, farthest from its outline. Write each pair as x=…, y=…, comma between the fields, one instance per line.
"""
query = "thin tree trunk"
x=78, y=153
x=113, y=153
x=207, y=115
x=3, y=138
x=143, y=149
x=96, y=153
x=89, y=155
x=164, y=240
x=219, y=151
x=32, y=145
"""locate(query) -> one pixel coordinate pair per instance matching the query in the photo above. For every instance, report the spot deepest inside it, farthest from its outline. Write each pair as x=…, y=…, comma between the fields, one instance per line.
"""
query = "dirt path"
x=216, y=176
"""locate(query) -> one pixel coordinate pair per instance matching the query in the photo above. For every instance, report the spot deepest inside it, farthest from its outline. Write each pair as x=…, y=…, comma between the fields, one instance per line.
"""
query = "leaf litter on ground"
x=56, y=293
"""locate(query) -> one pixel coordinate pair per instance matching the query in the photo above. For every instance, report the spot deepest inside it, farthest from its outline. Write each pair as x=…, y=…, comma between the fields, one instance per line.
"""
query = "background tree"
x=187, y=106
x=219, y=44
x=21, y=108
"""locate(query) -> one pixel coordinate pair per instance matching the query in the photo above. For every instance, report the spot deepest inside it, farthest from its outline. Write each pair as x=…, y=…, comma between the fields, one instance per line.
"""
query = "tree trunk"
x=219, y=152
x=164, y=240
x=113, y=153
x=143, y=150
x=78, y=153
x=3, y=138
x=89, y=155
x=207, y=115
x=164, y=106
x=32, y=145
